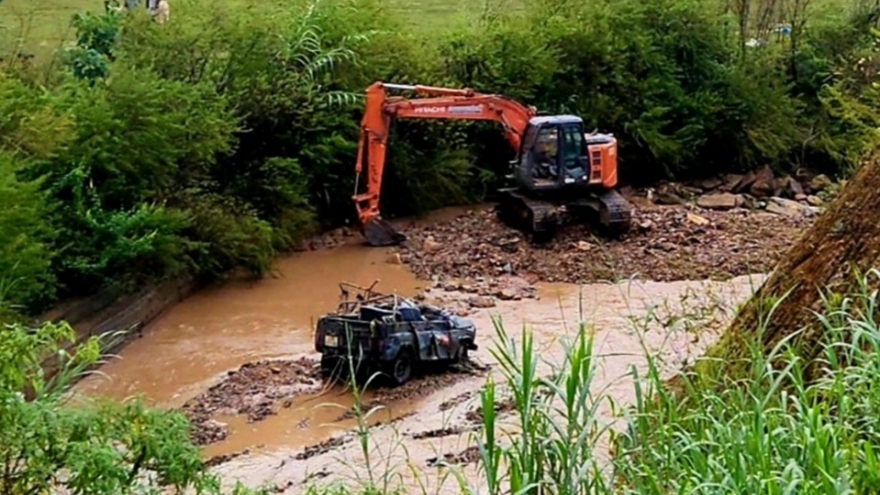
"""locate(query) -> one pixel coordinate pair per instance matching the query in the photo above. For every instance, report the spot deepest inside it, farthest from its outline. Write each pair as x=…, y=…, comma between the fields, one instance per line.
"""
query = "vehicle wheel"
x=330, y=368
x=461, y=356
x=401, y=368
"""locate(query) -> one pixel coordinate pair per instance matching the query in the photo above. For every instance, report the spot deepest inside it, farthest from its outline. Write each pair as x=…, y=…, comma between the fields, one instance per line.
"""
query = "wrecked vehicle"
x=389, y=334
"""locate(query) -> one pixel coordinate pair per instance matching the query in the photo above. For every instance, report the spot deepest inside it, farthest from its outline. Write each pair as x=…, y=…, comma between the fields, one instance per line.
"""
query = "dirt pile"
x=666, y=243
x=255, y=389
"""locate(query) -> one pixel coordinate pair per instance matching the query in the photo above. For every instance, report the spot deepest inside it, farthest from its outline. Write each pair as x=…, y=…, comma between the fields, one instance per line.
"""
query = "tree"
x=827, y=263
x=94, y=449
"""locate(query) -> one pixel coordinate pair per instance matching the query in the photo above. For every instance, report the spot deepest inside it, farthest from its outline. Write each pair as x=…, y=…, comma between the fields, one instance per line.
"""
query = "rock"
x=750, y=202
x=794, y=187
x=690, y=191
x=814, y=200
x=711, y=183
x=788, y=207
x=745, y=182
x=718, y=201
x=730, y=181
x=764, y=184
x=481, y=302
x=697, y=219
x=820, y=183
x=430, y=245
x=642, y=202
x=780, y=187
x=508, y=295
x=394, y=259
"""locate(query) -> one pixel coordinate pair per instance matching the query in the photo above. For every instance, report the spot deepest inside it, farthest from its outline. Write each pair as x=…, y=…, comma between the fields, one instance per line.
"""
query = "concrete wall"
x=108, y=313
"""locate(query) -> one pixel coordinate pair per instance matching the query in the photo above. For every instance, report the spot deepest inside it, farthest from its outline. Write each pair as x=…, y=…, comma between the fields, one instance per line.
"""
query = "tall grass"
x=775, y=433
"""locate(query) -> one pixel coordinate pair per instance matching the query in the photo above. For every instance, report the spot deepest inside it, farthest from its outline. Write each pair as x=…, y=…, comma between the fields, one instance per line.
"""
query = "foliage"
x=25, y=239
x=98, y=448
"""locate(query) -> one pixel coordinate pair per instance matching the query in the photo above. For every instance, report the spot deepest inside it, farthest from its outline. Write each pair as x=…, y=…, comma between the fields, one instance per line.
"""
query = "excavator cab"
x=556, y=154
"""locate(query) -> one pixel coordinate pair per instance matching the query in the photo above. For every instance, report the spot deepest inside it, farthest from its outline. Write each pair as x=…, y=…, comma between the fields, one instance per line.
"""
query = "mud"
x=442, y=432
x=470, y=455
x=666, y=243
x=322, y=448
x=501, y=407
x=255, y=390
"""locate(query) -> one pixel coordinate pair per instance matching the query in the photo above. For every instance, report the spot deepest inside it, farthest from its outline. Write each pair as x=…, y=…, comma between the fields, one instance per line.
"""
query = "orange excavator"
x=559, y=171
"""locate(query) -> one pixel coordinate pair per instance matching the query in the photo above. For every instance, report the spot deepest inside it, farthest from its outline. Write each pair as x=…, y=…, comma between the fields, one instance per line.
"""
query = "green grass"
x=42, y=26
x=39, y=26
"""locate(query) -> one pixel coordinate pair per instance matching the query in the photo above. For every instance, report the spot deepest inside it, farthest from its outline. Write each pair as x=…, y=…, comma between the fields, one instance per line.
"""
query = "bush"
x=96, y=448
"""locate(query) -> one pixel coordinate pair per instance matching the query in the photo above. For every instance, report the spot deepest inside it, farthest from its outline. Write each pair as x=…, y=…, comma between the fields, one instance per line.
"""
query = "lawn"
x=42, y=26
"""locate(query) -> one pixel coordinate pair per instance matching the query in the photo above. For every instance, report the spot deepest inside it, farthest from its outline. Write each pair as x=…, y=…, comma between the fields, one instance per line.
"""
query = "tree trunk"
x=843, y=243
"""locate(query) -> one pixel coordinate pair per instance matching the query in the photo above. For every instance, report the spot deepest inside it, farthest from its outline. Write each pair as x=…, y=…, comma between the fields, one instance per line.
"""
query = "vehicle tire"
x=401, y=368
x=461, y=356
x=331, y=368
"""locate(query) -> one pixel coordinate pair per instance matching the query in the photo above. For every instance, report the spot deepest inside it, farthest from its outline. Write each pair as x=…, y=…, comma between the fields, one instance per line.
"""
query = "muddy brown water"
x=196, y=342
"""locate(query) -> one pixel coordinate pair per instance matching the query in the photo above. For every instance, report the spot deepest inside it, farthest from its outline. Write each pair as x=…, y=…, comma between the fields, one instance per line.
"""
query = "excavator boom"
x=435, y=103
x=560, y=170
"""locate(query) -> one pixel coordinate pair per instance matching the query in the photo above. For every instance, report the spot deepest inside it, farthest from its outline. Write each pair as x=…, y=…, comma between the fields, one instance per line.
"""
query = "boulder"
x=711, y=183
x=820, y=183
x=789, y=208
x=794, y=187
x=719, y=201
x=764, y=184
x=745, y=182
x=730, y=182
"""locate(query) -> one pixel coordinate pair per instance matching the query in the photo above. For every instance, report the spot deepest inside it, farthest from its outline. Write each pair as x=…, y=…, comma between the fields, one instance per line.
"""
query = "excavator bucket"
x=379, y=232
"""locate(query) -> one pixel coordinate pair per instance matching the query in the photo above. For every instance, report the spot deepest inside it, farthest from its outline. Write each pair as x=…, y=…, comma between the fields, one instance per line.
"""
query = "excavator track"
x=541, y=218
x=615, y=212
x=538, y=218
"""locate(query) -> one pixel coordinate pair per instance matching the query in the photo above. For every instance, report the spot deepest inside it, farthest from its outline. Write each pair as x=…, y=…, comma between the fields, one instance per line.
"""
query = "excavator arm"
x=435, y=103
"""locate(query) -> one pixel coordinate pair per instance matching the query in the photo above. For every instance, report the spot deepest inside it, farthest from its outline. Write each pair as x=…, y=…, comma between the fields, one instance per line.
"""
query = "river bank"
x=239, y=358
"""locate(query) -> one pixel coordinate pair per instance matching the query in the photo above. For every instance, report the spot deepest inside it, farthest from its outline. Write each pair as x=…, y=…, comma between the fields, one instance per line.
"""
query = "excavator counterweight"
x=559, y=171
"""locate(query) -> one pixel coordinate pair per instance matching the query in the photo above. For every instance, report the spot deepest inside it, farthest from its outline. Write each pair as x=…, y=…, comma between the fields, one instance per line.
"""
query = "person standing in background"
x=162, y=12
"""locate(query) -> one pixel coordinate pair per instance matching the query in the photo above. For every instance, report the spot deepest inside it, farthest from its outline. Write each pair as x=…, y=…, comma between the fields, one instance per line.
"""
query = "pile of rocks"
x=476, y=253
x=255, y=389
x=802, y=195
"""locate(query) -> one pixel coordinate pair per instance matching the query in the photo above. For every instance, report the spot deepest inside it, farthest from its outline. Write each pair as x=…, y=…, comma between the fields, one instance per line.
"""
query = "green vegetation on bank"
x=99, y=448
x=220, y=139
